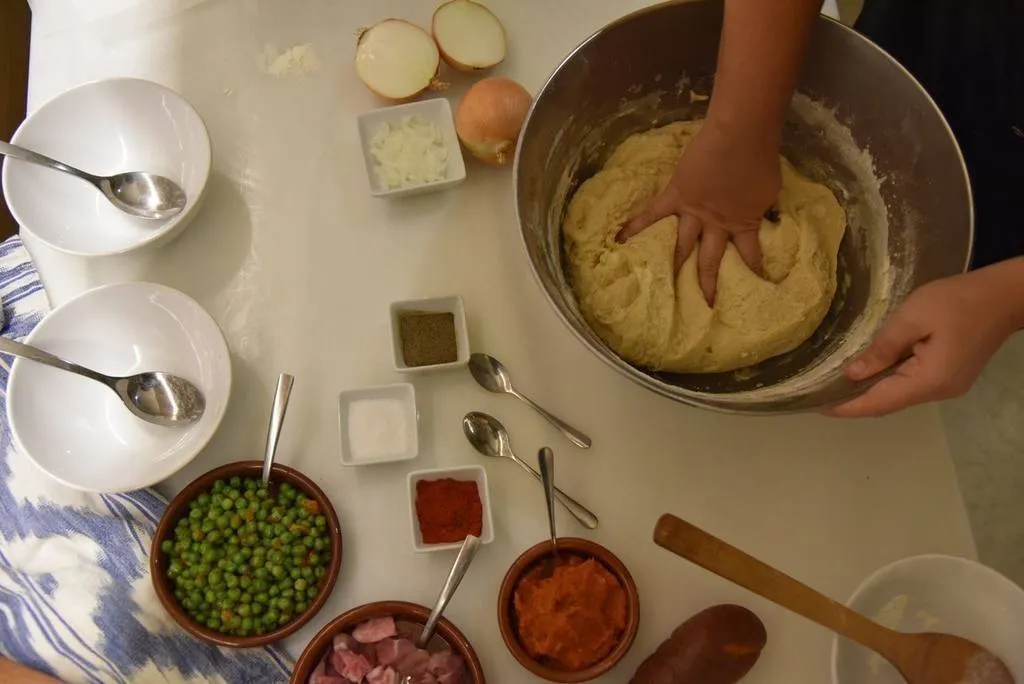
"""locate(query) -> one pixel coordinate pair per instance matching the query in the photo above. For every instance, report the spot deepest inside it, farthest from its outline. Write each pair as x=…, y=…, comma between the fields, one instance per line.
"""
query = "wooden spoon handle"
x=711, y=553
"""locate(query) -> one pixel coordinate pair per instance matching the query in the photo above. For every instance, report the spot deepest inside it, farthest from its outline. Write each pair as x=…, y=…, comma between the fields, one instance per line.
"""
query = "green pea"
x=235, y=481
x=227, y=504
x=320, y=521
x=234, y=593
x=301, y=607
x=167, y=546
x=300, y=585
x=311, y=593
x=231, y=581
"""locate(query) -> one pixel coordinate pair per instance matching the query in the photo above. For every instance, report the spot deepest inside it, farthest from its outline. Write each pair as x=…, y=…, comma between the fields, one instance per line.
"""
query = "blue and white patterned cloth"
x=76, y=600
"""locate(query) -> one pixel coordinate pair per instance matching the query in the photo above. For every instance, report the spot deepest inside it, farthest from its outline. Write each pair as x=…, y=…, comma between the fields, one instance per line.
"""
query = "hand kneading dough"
x=627, y=293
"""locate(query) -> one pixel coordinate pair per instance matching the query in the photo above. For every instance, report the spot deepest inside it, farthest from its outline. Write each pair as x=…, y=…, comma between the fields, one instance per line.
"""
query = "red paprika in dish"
x=448, y=510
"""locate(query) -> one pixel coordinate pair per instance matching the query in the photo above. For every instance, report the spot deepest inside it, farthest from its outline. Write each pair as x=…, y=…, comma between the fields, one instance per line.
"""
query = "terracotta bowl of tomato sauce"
x=539, y=562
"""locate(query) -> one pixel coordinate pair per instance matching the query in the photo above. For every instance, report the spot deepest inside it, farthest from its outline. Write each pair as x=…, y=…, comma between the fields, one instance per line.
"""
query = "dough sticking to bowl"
x=628, y=294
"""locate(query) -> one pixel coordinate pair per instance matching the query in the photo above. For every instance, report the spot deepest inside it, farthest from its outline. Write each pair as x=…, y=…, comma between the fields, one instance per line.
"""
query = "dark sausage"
x=716, y=646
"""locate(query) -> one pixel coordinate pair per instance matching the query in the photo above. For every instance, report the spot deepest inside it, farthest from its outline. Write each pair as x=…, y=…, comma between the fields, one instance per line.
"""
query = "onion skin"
x=454, y=63
x=490, y=117
x=435, y=82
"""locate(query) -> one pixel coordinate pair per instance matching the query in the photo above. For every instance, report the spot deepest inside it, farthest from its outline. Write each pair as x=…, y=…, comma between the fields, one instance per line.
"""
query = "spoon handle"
x=25, y=351
x=277, y=411
x=715, y=555
x=20, y=153
x=578, y=510
x=458, y=571
x=546, y=463
x=573, y=435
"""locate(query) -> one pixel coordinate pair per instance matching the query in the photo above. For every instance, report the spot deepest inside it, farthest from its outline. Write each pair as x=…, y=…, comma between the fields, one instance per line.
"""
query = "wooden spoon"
x=926, y=658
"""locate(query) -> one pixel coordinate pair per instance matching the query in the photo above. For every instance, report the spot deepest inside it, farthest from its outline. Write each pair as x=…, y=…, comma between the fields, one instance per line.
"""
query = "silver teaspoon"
x=466, y=553
x=489, y=437
x=493, y=377
x=546, y=464
x=277, y=411
x=158, y=398
x=145, y=195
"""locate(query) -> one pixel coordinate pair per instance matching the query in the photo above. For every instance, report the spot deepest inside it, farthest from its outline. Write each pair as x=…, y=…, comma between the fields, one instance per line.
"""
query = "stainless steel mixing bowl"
x=860, y=123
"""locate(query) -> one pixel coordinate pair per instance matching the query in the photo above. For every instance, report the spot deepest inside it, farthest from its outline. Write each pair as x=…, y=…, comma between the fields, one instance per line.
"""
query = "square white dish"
x=473, y=473
x=452, y=305
x=403, y=392
x=435, y=110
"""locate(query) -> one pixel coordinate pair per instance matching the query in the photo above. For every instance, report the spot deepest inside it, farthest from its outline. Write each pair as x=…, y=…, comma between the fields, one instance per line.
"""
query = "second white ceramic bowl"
x=76, y=429
x=934, y=593
x=106, y=127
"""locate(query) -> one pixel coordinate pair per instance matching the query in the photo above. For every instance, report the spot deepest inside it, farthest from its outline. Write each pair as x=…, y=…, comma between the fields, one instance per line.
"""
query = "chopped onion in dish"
x=408, y=153
x=469, y=36
x=397, y=60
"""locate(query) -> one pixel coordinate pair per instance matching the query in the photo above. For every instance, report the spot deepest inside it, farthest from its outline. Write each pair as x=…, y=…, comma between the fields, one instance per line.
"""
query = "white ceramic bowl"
x=452, y=305
x=76, y=429
x=106, y=127
x=934, y=593
x=403, y=392
x=436, y=110
x=472, y=473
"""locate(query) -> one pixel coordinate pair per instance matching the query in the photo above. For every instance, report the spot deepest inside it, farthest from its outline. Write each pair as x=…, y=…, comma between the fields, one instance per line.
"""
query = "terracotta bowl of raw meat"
x=341, y=645
x=178, y=508
x=531, y=561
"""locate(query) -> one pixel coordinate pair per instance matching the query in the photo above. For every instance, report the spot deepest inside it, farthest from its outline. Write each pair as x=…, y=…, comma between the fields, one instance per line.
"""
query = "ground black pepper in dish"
x=427, y=338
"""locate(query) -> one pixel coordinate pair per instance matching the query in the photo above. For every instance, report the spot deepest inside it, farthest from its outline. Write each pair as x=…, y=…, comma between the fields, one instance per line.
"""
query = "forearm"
x=1008, y=288
x=759, y=60
x=13, y=673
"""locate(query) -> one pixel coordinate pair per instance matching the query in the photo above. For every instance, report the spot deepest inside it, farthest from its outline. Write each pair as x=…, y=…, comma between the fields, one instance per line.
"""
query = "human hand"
x=950, y=328
x=725, y=181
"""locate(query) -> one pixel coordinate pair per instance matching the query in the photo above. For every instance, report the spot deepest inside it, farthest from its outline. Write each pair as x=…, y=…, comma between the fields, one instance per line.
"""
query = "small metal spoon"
x=493, y=377
x=155, y=397
x=145, y=195
x=546, y=464
x=277, y=411
x=469, y=548
x=489, y=437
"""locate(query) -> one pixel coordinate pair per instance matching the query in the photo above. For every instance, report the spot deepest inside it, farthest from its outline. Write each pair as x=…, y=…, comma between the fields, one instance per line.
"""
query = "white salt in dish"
x=378, y=424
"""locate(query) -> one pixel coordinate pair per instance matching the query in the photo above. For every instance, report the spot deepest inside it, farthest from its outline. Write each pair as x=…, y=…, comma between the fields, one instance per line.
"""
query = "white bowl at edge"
x=76, y=429
x=934, y=593
x=106, y=127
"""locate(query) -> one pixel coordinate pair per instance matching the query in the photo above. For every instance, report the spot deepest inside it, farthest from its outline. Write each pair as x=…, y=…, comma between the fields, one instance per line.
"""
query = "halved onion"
x=397, y=60
x=469, y=36
x=489, y=118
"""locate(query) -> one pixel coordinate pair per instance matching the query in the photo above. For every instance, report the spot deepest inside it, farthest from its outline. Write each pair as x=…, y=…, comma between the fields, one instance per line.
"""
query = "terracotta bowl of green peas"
x=242, y=565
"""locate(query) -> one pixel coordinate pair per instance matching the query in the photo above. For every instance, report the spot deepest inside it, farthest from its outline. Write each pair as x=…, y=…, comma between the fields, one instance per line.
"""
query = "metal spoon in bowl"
x=489, y=437
x=155, y=397
x=546, y=464
x=466, y=553
x=277, y=411
x=145, y=195
x=493, y=377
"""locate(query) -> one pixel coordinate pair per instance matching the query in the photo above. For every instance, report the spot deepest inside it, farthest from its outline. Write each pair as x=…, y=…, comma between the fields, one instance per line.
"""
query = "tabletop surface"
x=298, y=264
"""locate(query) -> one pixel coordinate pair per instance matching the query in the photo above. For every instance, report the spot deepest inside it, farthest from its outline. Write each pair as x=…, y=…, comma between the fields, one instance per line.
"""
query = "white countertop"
x=298, y=263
